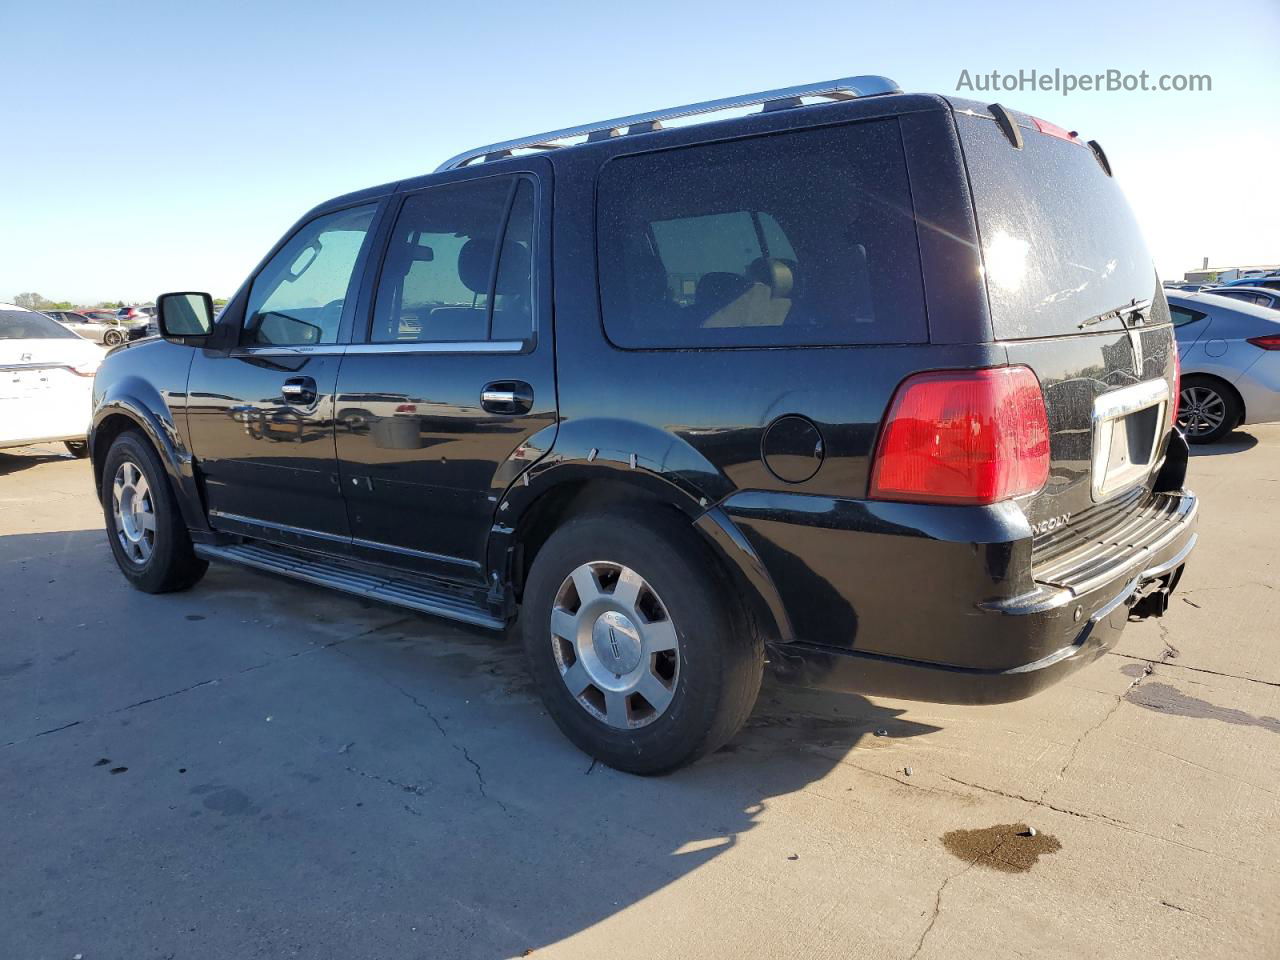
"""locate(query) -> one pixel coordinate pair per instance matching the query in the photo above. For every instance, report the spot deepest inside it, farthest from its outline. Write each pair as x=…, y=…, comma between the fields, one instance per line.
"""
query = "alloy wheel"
x=615, y=645
x=134, y=511
x=1201, y=410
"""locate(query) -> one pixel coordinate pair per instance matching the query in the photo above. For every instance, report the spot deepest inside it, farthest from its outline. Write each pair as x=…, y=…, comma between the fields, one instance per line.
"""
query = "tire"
x=1208, y=409
x=158, y=560
x=113, y=338
x=77, y=448
x=709, y=661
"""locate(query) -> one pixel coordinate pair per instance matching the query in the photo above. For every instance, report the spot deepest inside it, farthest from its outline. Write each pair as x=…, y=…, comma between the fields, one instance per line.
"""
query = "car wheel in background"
x=77, y=448
x=144, y=527
x=640, y=654
x=1207, y=408
x=113, y=338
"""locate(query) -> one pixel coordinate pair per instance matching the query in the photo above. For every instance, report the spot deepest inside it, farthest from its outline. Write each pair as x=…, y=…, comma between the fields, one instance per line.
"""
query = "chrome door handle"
x=507, y=396
x=299, y=390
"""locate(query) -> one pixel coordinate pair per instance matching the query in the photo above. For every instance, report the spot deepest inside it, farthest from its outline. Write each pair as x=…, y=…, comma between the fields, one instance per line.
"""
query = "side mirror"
x=184, y=316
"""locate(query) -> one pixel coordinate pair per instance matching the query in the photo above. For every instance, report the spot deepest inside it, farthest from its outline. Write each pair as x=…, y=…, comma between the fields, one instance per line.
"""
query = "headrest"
x=513, y=270
x=774, y=274
x=475, y=260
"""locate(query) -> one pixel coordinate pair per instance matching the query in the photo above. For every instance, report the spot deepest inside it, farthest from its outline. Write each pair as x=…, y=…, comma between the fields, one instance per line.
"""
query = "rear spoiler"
x=1009, y=126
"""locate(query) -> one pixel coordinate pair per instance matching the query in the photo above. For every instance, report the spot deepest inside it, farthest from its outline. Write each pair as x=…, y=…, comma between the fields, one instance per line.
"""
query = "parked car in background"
x=111, y=332
x=107, y=315
x=1230, y=353
x=814, y=386
x=133, y=315
x=1271, y=282
x=1258, y=296
x=46, y=381
x=1179, y=285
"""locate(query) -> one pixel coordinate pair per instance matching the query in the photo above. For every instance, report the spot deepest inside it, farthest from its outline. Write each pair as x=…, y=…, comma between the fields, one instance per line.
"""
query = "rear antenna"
x=1008, y=125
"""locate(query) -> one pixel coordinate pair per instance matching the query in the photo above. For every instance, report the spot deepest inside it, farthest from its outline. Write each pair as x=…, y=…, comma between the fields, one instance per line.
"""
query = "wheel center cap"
x=617, y=642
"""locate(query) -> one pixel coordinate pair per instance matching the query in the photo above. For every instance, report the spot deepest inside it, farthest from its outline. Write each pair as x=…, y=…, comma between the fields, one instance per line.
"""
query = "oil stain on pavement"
x=1164, y=698
x=1007, y=847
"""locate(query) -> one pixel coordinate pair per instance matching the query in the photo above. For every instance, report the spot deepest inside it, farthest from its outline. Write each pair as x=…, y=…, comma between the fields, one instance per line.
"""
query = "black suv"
x=879, y=386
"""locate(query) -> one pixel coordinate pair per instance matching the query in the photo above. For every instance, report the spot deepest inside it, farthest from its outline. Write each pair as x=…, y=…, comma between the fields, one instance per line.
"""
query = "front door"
x=451, y=394
x=260, y=414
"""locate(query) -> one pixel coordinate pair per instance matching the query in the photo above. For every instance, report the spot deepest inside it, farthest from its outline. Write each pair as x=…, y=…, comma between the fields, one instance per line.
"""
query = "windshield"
x=1059, y=242
x=25, y=325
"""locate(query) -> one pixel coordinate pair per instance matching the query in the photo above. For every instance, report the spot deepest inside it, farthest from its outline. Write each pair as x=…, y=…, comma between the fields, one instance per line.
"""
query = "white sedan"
x=46, y=381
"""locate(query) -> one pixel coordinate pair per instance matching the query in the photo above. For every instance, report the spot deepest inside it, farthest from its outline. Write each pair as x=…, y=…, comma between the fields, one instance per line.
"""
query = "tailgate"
x=1075, y=297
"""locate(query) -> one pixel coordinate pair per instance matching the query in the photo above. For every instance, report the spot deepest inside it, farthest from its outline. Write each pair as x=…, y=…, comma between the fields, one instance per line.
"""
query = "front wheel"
x=144, y=526
x=630, y=635
x=1207, y=409
x=77, y=448
x=113, y=338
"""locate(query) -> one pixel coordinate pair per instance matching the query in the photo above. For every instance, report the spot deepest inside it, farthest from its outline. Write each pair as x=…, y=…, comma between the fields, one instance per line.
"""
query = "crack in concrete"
x=1039, y=803
x=481, y=784
x=1183, y=666
x=416, y=789
x=937, y=897
x=1170, y=651
x=316, y=648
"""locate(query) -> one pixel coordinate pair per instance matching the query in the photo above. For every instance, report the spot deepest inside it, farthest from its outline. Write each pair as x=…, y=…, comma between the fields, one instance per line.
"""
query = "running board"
x=423, y=594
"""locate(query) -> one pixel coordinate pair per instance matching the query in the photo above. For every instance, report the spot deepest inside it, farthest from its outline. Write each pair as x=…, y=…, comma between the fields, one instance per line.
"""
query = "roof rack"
x=846, y=88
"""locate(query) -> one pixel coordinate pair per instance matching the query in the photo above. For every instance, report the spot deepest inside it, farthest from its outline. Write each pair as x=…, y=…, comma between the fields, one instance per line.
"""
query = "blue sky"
x=157, y=146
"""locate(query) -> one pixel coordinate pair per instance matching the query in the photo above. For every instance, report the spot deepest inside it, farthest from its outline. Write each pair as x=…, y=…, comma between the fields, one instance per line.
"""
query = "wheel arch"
x=571, y=489
x=123, y=409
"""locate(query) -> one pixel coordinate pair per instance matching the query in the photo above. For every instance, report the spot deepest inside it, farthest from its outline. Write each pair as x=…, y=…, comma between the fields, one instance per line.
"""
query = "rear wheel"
x=639, y=655
x=144, y=526
x=1207, y=409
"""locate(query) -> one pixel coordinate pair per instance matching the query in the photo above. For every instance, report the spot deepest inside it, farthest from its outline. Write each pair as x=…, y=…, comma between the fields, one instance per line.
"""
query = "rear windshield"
x=1059, y=242
x=25, y=325
x=801, y=238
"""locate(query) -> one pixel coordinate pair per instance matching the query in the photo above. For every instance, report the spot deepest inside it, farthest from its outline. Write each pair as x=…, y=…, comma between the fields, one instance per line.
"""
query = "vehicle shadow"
x=24, y=458
x=1235, y=442
x=627, y=837
x=404, y=743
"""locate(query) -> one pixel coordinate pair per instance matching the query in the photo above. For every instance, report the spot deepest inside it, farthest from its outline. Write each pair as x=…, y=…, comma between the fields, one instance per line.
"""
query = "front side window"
x=447, y=277
x=788, y=239
x=297, y=298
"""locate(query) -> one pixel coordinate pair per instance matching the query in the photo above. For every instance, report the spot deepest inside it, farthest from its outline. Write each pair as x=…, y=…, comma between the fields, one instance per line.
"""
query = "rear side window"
x=802, y=238
x=1182, y=316
x=447, y=278
x=26, y=325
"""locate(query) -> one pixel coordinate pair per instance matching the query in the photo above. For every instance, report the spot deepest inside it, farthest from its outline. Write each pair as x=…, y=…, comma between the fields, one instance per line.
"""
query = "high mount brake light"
x=963, y=436
x=1053, y=130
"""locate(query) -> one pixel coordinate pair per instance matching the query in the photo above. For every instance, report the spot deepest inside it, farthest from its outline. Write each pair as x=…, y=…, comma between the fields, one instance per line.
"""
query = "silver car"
x=110, y=332
x=1230, y=354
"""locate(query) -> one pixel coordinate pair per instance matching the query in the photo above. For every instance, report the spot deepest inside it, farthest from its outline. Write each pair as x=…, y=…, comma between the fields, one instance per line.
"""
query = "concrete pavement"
x=262, y=769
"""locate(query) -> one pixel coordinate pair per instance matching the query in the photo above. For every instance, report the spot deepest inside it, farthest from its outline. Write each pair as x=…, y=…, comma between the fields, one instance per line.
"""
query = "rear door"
x=451, y=394
x=1074, y=296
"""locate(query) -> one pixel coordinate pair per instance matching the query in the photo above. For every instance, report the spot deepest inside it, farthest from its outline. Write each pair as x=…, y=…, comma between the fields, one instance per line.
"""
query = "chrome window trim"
x=339, y=349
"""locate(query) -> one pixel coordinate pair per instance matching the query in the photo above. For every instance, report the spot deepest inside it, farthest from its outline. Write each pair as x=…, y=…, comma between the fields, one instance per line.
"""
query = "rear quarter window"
x=790, y=239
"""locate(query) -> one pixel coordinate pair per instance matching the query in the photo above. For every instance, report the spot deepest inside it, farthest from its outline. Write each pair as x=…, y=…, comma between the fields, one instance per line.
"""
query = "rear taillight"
x=1269, y=342
x=1177, y=382
x=963, y=436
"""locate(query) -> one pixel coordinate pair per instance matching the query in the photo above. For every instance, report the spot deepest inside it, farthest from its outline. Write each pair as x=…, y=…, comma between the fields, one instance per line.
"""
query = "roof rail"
x=846, y=88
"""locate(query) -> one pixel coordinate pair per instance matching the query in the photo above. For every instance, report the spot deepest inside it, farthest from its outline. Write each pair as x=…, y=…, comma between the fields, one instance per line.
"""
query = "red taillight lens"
x=1269, y=342
x=963, y=436
x=1177, y=381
